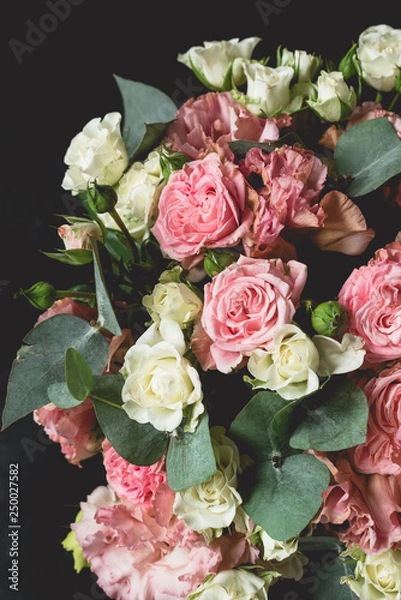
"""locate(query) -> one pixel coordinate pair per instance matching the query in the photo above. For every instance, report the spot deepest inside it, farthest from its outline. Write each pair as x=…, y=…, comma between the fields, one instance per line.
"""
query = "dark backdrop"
x=57, y=73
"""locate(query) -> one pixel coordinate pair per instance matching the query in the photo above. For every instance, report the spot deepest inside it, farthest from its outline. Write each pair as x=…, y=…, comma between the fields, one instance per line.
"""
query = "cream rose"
x=232, y=584
x=98, y=153
x=379, y=54
x=305, y=65
x=137, y=193
x=334, y=100
x=213, y=504
x=268, y=89
x=173, y=300
x=212, y=62
x=376, y=576
x=161, y=385
x=290, y=368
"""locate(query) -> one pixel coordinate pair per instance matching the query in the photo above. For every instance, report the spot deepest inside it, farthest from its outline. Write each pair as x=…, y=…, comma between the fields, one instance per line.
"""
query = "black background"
x=47, y=96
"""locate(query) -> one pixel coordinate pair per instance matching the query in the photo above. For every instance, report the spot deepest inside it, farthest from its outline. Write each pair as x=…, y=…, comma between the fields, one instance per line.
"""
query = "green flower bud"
x=41, y=295
x=101, y=198
x=329, y=318
x=347, y=64
x=217, y=260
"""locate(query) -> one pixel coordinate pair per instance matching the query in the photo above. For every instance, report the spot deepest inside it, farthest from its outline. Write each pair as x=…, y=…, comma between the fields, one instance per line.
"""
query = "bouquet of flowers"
x=232, y=346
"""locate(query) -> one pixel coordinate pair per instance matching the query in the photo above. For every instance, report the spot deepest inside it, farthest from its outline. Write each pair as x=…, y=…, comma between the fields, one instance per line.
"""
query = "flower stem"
x=118, y=220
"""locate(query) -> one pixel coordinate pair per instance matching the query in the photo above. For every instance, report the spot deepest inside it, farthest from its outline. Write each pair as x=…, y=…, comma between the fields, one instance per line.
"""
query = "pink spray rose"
x=381, y=452
x=211, y=120
x=367, y=506
x=372, y=296
x=243, y=306
x=137, y=557
x=203, y=205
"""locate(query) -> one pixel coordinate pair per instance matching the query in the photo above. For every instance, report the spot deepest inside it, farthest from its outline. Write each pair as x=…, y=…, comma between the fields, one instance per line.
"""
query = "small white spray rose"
x=305, y=65
x=98, y=153
x=137, y=194
x=212, y=62
x=376, y=576
x=232, y=584
x=173, y=300
x=161, y=386
x=334, y=100
x=379, y=54
x=268, y=89
x=213, y=504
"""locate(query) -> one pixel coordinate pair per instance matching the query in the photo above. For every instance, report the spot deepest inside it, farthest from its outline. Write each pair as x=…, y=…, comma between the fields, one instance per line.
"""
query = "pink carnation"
x=292, y=181
x=135, y=558
x=208, y=122
x=381, y=452
x=372, y=296
x=366, y=506
x=243, y=306
x=75, y=429
x=203, y=205
x=134, y=485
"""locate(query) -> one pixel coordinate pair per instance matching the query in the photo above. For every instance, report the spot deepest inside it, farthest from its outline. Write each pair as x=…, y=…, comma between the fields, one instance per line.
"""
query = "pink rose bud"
x=78, y=235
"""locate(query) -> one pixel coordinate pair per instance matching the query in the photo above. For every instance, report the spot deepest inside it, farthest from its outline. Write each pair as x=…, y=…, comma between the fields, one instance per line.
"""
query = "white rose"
x=376, y=576
x=174, y=301
x=305, y=65
x=98, y=153
x=137, y=193
x=379, y=53
x=213, y=503
x=290, y=368
x=275, y=549
x=161, y=387
x=337, y=357
x=268, y=89
x=212, y=62
x=334, y=99
x=232, y=584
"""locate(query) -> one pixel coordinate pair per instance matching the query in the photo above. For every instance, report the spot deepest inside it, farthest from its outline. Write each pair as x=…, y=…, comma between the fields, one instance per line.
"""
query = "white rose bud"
x=138, y=191
x=379, y=54
x=174, y=301
x=376, y=576
x=305, y=65
x=98, y=153
x=232, y=584
x=334, y=99
x=213, y=504
x=268, y=89
x=212, y=62
x=290, y=367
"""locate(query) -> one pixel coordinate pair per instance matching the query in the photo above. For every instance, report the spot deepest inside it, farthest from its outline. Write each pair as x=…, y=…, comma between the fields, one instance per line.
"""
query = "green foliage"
x=190, y=457
x=368, y=153
x=282, y=491
x=147, y=111
x=333, y=419
x=40, y=362
x=328, y=585
x=78, y=375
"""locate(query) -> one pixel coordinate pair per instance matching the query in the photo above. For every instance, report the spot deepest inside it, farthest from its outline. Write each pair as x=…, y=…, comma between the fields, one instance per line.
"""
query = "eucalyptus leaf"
x=282, y=490
x=190, y=457
x=328, y=584
x=78, y=375
x=40, y=361
x=106, y=315
x=370, y=154
x=147, y=111
x=140, y=444
x=336, y=418
x=61, y=396
x=74, y=256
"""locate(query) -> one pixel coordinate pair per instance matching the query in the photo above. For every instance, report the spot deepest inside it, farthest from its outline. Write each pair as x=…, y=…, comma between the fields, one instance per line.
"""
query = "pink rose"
x=203, y=205
x=372, y=296
x=243, y=306
x=293, y=179
x=381, y=452
x=211, y=120
x=367, y=506
x=75, y=429
x=133, y=484
x=135, y=557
